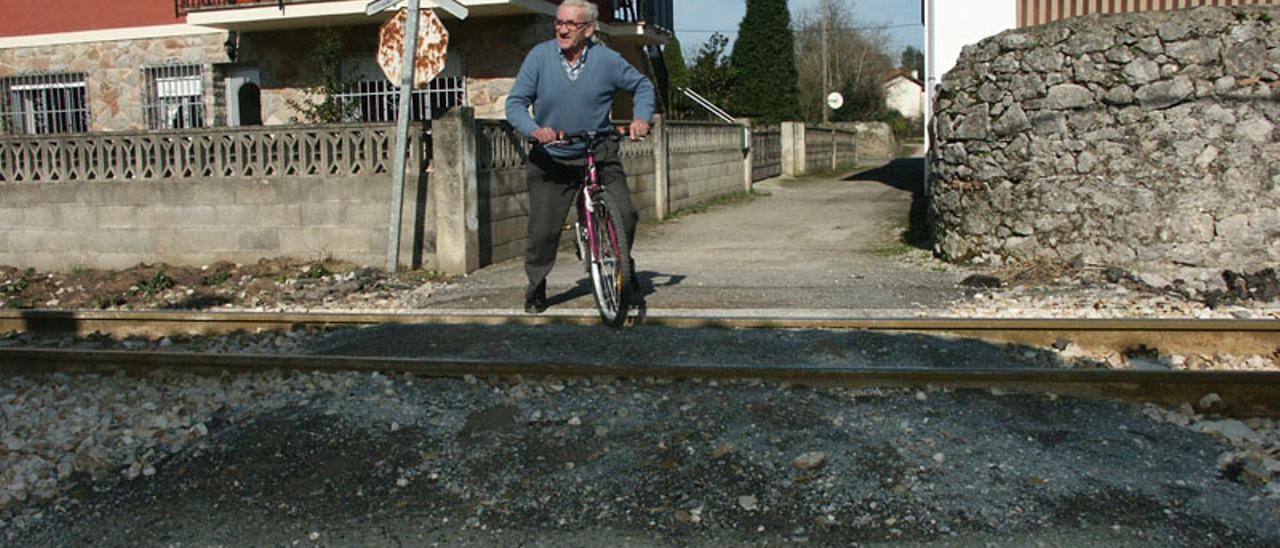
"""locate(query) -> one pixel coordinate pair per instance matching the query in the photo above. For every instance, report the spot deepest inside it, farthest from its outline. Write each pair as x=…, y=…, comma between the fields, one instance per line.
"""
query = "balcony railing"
x=655, y=12
x=187, y=6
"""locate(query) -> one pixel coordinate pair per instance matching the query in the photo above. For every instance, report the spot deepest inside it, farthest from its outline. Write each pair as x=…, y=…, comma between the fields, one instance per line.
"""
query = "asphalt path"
x=804, y=246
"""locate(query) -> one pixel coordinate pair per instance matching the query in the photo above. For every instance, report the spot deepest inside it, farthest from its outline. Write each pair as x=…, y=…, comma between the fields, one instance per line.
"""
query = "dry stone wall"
x=1143, y=140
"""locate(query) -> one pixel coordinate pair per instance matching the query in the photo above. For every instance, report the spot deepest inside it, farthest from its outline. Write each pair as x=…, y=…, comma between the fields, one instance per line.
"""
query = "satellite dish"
x=835, y=100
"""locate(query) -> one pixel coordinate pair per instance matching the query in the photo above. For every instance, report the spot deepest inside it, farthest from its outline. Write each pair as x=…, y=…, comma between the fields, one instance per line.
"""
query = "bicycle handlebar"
x=589, y=137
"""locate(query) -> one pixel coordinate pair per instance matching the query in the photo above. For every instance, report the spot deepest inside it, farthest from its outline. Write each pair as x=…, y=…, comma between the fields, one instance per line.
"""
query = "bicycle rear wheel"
x=610, y=262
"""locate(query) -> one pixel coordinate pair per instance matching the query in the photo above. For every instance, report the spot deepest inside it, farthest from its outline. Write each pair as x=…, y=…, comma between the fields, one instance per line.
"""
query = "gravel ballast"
x=341, y=458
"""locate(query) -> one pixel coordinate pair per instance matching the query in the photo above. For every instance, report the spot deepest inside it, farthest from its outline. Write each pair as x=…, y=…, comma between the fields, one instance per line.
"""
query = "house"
x=950, y=25
x=75, y=66
x=904, y=93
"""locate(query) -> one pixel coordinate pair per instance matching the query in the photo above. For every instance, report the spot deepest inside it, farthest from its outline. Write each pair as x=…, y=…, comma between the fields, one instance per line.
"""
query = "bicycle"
x=601, y=240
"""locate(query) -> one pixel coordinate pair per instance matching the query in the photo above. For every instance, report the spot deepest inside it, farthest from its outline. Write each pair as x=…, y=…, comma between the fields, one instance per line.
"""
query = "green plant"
x=16, y=287
x=106, y=301
x=316, y=271
x=215, y=279
x=151, y=287
x=328, y=81
x=79, y=271
x=904, y=128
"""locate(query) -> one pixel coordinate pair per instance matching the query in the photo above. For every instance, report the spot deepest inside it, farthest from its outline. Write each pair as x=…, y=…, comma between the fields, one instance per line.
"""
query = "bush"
x=904, y=128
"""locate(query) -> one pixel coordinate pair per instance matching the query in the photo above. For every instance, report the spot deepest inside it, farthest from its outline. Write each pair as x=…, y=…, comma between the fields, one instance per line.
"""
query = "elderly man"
x=570, y=82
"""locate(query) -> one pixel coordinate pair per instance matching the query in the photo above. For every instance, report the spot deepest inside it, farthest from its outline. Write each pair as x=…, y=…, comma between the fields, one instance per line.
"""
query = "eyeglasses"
x=571, y=24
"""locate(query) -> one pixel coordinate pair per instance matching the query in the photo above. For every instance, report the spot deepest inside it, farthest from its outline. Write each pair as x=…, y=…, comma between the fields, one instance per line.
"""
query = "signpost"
x=402, y=117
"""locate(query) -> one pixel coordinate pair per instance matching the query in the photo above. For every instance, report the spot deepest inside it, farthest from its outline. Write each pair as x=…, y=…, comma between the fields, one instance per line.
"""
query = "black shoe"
x=535, y=302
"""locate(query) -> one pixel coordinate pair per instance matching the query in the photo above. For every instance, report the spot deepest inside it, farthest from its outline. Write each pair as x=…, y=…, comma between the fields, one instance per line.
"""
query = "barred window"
x=174, y=96
x=377, y=100
x=44, y=103
x=374, y=99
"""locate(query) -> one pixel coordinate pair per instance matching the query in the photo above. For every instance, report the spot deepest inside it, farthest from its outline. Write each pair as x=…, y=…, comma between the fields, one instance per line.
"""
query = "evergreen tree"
x=763, y=62
x=711, y=76
x=677, y=77
x=913, y=59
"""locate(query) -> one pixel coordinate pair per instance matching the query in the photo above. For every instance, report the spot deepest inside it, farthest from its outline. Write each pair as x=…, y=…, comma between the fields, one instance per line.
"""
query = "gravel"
x=673, y=461
x=340, y=458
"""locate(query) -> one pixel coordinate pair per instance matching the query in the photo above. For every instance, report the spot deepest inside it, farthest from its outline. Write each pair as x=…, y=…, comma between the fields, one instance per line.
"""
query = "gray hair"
x=593, y=12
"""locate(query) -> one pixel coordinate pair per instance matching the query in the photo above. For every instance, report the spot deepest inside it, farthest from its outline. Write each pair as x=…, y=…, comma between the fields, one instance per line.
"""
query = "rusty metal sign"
x=430, y=57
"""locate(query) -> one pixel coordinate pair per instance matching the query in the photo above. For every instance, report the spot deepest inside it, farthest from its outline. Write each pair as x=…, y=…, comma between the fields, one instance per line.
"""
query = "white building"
x=904, y=92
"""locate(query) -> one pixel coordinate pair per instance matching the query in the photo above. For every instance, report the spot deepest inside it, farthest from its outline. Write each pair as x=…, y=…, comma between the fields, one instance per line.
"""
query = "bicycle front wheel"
x=610, y=262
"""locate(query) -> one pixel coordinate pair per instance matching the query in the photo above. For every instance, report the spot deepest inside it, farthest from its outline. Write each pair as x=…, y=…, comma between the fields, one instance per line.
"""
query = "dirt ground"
x=269, y=283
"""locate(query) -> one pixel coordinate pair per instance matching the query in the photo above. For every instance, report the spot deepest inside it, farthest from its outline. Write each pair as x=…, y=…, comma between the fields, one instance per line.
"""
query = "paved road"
x=810, y=245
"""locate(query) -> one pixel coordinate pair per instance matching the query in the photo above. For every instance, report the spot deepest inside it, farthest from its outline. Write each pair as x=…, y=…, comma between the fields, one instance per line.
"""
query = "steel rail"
x=1173, y=336
x=1242, y=394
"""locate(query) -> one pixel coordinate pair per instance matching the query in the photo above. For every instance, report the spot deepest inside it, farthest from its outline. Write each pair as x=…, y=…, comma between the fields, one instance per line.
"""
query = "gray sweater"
x=574, y=105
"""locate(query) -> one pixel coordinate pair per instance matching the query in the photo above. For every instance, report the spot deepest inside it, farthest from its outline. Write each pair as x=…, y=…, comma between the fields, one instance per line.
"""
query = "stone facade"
x=114, y=78
x=1142, y=140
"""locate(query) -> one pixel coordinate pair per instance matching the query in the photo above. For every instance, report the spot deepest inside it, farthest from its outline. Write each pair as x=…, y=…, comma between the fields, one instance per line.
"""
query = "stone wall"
x=1143, y=140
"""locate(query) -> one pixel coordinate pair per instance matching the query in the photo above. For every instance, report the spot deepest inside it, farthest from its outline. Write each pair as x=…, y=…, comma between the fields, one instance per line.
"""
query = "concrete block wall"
x=706, y=160
x=121, y=224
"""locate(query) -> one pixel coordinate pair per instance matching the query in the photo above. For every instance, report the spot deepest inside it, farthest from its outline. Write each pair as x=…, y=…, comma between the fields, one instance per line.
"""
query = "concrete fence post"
x=793, y=153
x=835, y=148
x=453, y=191
x=748, y=158
x=661, y=168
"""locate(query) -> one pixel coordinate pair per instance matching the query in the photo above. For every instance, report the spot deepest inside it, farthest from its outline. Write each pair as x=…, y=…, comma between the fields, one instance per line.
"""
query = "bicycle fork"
x=583, y=228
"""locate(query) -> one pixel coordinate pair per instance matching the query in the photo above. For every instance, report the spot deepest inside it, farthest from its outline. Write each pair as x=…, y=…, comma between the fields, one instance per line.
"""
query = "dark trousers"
x=552, y=184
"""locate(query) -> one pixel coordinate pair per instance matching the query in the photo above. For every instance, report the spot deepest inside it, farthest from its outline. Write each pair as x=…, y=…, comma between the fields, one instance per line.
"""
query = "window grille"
x=173, y=96
x=377, y=100
x=44, y=103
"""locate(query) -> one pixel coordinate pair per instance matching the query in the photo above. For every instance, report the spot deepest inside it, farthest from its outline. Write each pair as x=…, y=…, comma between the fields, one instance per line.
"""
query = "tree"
x=678, y=76
x=764, y=63
x=913, y=60
x=857, y=63
x=711, y=75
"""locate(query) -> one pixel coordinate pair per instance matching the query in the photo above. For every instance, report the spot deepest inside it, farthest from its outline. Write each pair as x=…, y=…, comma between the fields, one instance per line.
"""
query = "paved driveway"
x=810, y=245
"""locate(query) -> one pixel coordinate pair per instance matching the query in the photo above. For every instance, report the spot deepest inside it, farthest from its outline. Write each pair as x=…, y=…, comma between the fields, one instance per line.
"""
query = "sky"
x=695, y=20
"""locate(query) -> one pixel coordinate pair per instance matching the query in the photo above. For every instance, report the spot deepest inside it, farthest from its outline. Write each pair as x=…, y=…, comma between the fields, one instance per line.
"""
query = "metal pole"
x=826, y=82
x=402, y=133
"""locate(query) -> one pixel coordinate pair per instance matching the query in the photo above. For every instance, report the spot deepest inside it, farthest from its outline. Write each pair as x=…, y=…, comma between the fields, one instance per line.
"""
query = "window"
x=174, y=97
x=43, y=104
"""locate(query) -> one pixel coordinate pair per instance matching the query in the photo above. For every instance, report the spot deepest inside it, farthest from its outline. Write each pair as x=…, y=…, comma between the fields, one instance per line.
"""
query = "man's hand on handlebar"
x=545, y=135
x=639, y=130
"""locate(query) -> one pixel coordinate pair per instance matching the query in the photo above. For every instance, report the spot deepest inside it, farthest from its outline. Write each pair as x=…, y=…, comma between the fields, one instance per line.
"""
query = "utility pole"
x=826, y=80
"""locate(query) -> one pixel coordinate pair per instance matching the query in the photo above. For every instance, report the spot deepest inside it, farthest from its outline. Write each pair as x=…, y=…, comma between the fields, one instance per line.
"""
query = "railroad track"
x=1175, y=336
x=1243, y=393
